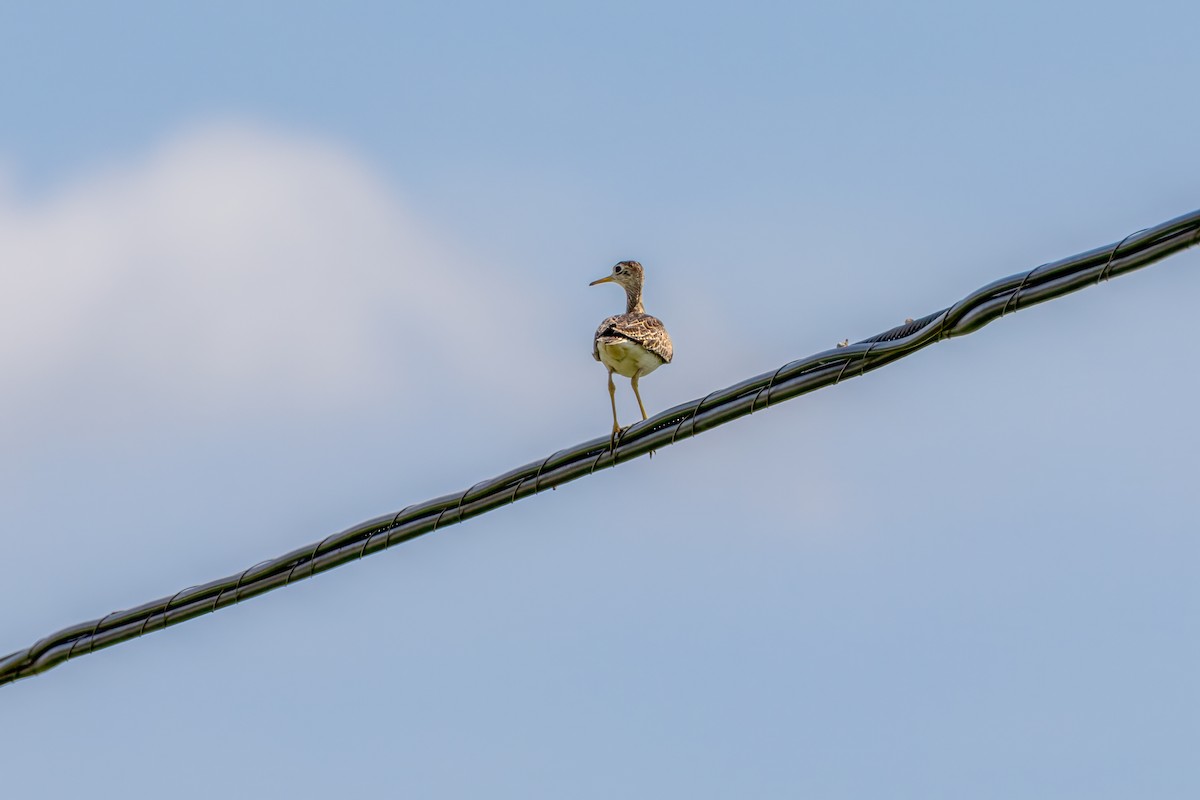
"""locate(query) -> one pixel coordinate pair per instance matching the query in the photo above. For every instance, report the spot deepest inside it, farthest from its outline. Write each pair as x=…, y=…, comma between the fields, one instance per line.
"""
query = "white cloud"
x=233, y=267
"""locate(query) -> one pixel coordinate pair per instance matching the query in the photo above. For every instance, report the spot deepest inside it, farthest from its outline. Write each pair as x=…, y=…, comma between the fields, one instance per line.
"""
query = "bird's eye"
x=617, y=269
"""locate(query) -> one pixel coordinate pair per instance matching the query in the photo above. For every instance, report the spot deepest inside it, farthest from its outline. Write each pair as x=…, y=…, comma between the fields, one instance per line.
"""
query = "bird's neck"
x=633, y=301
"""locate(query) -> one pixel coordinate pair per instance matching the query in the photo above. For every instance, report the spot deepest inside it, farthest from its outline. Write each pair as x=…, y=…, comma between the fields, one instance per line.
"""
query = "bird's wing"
x=605, y=329
x=641, y=329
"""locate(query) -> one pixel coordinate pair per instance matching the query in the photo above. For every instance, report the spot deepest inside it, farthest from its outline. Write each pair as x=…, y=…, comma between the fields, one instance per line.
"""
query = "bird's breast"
x=625, y=357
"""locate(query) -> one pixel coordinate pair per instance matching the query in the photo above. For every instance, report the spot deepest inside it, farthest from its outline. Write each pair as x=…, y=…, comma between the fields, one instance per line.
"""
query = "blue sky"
x=270, y=269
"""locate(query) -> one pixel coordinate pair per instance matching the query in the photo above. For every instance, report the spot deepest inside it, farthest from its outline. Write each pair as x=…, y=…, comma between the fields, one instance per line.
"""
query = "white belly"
x=626, y=358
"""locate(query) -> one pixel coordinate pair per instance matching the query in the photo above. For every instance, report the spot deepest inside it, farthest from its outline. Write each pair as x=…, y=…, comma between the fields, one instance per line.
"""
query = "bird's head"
x=628, y=274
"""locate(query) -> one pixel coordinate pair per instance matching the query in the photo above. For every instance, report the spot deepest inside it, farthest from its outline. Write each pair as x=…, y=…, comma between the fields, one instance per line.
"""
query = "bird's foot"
x=615, y=439
x=616, y=435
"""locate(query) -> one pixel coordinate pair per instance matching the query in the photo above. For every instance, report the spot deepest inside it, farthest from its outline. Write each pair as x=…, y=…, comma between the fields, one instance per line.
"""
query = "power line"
x=662, y=430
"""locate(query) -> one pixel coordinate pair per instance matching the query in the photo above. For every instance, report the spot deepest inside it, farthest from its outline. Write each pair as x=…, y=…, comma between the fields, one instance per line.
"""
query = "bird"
x=632, y=344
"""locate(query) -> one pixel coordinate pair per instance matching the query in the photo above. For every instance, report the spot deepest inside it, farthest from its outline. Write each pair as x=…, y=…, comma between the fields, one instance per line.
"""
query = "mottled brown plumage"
x=632, y=344
x=641, y=329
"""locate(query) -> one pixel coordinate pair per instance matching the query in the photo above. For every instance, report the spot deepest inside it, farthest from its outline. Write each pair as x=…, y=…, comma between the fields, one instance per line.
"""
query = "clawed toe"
x=616, y=437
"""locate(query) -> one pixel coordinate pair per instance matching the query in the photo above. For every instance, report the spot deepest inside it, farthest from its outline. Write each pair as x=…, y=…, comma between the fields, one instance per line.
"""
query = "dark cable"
x=662, y=430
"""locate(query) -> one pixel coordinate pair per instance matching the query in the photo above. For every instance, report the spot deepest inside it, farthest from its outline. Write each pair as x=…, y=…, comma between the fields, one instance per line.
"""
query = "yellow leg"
x=612, y=398
x=633, y=380
x=638, y=395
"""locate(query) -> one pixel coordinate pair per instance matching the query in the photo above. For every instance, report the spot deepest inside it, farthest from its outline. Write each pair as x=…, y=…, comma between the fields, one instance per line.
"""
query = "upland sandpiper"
x=632, y=344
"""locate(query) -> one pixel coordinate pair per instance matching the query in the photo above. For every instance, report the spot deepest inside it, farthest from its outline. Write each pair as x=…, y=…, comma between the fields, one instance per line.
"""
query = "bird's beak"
x=606, y=279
